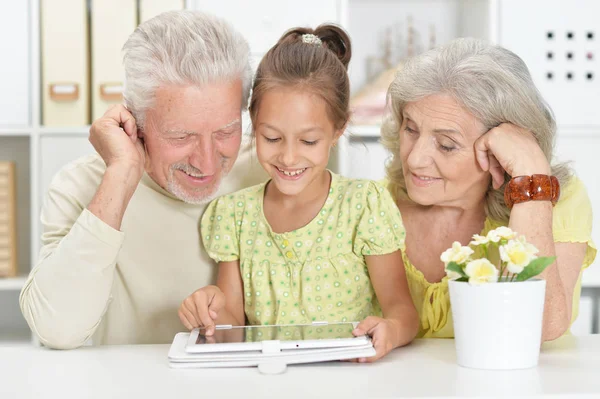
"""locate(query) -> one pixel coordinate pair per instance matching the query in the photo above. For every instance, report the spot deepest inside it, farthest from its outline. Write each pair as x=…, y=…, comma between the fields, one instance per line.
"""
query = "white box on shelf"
x=108, y=32
x=65, y=66
x=14, y=71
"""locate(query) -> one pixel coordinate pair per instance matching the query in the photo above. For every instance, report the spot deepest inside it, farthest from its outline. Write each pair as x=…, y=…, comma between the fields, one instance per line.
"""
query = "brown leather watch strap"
x=531, y=188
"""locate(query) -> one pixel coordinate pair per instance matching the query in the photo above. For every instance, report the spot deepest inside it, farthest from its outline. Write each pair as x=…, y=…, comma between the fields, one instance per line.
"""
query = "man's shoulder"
x=78, y=175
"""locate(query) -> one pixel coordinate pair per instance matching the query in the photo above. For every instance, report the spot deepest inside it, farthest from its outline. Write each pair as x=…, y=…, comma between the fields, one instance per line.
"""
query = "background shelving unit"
x=41, y=151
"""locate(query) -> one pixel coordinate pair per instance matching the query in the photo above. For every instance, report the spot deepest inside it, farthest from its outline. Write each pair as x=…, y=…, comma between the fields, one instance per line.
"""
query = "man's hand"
x=115, y=138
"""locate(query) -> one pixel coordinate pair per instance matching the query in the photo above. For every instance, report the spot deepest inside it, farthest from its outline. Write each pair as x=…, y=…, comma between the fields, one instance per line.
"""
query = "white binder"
x=14, y=79
x=151, y=8
x=109, y=30
x=65, y=53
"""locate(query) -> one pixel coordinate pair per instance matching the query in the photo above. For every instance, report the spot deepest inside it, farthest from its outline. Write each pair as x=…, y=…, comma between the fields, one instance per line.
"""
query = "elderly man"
x=121, y=245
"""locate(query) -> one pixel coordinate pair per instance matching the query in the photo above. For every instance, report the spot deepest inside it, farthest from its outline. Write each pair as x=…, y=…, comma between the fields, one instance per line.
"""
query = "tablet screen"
x=282, y=333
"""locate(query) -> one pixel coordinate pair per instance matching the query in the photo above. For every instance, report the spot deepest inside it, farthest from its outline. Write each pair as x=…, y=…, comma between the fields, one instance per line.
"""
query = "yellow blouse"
x=572, y=222
x=317, y=272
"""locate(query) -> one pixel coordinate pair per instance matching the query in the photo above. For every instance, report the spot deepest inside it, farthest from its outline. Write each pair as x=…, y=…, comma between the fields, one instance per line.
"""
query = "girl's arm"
x=229, y=281
x=400, y=322
x=216, y=304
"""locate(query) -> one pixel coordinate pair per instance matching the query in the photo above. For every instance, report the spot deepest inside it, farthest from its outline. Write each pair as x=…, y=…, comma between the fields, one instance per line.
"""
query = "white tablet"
x=180, y=358
x=299, y=336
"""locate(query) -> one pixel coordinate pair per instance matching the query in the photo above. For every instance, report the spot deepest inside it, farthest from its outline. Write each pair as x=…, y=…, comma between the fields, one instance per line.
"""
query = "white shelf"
x=44, y=131
x=64, y=131
x=15, y=132
x=12, y=283
x=364, y=131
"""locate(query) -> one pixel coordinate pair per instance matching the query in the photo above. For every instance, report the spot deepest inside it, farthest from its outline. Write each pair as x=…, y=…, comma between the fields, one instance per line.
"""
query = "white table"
x=569, y=368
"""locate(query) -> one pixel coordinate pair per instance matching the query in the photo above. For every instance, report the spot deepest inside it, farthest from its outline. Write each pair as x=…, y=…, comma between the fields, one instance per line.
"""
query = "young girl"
x=307, y=245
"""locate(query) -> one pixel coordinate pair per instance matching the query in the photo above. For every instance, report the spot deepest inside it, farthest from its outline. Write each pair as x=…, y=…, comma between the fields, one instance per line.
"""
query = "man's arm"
x=69, y=289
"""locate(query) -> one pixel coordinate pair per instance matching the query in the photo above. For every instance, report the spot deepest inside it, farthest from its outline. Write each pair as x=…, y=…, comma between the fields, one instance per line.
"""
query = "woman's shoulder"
x=574, y=191
x=573, y=211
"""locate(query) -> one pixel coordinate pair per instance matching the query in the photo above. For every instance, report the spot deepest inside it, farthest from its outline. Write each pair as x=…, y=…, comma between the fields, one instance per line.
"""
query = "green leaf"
x=462, y=279
x=454, y=267
x=535, y=267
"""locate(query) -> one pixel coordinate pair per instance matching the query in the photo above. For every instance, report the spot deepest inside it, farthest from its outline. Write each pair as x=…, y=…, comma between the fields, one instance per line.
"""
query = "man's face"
x=192, y=137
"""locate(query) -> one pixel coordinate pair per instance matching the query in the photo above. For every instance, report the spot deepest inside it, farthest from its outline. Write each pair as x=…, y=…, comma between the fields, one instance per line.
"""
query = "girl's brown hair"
x=320, y=68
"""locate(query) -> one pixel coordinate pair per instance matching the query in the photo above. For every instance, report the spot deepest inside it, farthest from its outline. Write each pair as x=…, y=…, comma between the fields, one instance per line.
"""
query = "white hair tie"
x=311, y=39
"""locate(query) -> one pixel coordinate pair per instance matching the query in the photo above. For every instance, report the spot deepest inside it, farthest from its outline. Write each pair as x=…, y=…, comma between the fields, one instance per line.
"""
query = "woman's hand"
x=511, y=149
x=201, y=309
x=384, y=335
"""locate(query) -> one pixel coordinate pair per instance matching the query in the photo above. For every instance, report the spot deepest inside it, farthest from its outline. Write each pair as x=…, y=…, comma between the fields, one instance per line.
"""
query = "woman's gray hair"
x=492, y=83
x=182, y=48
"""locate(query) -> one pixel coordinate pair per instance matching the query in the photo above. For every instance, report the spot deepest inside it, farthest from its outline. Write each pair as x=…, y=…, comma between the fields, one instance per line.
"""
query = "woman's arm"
x=533, y=219
x=514, y=150
x=401, y=322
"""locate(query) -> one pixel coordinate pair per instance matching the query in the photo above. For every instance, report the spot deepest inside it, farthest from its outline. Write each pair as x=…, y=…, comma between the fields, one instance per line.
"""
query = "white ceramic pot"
x=498, y=326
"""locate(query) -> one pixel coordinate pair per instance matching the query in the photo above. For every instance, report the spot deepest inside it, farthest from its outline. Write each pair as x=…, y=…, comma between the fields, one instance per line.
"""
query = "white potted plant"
x=497, y=307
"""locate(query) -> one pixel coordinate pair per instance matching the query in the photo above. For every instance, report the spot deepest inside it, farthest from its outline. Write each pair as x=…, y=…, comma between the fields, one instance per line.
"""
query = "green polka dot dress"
x=317, y=272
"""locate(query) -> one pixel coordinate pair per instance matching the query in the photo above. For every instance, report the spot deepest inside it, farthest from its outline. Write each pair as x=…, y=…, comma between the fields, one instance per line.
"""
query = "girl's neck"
x=286, y=213
x=316, y=191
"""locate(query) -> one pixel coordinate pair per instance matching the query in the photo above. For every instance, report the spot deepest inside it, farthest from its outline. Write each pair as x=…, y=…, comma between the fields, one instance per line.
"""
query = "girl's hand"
x=511, y=149
x=202, y=308
x=384, y=335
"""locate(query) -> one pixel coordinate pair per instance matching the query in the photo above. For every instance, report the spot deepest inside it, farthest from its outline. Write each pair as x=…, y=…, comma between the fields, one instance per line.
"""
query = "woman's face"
x=438, y=159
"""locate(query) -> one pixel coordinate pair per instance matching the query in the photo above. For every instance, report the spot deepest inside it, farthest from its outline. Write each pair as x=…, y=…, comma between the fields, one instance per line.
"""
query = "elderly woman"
x=467, y=119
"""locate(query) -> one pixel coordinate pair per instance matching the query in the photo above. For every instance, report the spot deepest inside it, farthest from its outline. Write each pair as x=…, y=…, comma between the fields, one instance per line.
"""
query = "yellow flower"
x=501, y=233
x=457, y=253
x=517, y=254
x=479, y=240
x=505, y=233
x=452, y=275
x=481, y=271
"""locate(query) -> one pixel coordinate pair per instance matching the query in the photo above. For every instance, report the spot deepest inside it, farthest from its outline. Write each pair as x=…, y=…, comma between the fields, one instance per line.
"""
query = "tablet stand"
x=271, y=366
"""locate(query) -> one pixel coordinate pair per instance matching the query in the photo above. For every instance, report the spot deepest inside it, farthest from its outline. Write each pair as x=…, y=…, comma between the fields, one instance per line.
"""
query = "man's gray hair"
x=491, y=82
x=182, y=48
